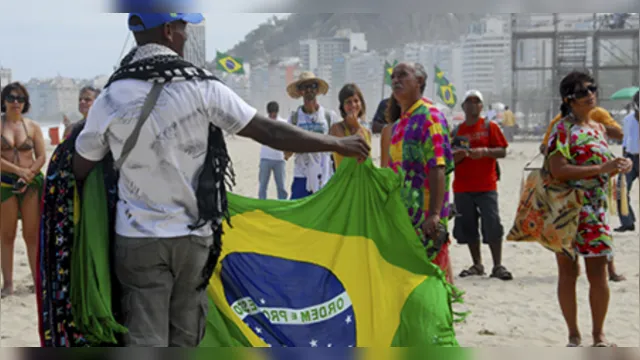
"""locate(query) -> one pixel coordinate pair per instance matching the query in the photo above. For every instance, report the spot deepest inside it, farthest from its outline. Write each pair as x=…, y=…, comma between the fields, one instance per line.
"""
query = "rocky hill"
x=279, y=37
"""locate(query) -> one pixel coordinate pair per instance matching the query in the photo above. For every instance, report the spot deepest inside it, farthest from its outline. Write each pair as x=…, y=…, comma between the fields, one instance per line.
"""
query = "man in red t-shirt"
x=477, y=143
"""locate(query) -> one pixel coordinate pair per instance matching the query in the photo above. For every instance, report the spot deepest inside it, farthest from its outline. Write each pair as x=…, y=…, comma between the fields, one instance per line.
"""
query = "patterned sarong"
x=547, y=213
x=60, y=212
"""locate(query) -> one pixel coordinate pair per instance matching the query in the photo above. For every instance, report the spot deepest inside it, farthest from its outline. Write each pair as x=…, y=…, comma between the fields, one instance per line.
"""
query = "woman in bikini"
x=353, y=110
x=579, y=156
x=23, y=155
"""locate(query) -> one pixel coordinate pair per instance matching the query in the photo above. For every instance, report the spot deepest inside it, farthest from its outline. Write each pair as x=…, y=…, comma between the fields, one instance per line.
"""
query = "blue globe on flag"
x=230, y=64
x=288, y=303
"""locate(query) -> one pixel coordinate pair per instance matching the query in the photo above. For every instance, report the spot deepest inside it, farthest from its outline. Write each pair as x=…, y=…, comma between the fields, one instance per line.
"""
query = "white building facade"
x=486, y=58
x=5, y=77
x=195, y=49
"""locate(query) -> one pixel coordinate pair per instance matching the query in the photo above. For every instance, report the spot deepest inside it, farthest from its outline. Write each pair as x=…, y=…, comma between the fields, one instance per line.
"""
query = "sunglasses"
x=12, y=98
x=582, y=93
x=311, y=86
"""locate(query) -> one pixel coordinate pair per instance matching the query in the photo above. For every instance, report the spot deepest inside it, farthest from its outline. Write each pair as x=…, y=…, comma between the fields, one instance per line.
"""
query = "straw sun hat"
x=307, y=76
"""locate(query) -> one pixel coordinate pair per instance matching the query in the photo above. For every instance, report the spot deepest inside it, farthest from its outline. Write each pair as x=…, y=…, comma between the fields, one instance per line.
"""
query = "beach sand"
x=522, y=312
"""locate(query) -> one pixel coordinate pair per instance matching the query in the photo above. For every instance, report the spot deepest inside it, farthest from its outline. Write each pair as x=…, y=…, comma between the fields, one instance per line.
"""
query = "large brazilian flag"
x=341, y=268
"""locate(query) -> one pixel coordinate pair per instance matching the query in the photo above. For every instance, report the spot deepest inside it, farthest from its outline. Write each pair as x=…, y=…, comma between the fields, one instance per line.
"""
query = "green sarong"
x=8, y=180
x=90, y=288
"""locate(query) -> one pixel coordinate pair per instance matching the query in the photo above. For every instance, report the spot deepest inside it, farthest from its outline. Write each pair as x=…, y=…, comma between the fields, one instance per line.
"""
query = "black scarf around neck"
x=217, y=173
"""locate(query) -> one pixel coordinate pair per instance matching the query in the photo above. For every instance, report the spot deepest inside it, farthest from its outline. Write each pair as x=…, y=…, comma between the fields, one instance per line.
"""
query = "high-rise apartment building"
x=486, y=57
x=5, y=77
x=195, y=50
x=320, y=53
x=53, y=98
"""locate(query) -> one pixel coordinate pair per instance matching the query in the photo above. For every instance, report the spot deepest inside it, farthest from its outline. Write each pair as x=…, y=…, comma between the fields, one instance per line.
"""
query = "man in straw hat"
x=311, y=171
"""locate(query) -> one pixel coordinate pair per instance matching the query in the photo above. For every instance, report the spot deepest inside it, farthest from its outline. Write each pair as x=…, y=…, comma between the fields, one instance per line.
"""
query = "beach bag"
x=548, y=211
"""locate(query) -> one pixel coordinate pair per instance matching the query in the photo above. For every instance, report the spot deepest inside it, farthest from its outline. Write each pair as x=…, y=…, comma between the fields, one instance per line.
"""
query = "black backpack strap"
x=454, y=133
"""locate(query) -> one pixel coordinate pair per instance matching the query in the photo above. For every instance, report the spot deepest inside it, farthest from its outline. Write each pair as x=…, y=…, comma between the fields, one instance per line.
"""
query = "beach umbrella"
x=625, y=94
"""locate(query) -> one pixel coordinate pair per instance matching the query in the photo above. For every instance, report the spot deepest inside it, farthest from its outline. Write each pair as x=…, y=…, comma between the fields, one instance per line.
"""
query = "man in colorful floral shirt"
x=420, y=148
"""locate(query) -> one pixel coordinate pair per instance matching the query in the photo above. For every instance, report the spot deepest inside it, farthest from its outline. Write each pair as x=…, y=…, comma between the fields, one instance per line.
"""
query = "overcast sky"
x=40, y=38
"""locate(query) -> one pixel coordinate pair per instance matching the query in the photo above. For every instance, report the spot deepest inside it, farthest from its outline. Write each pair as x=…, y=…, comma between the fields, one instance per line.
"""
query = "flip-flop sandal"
x=573, y=345
x=617, y=278
x=473, y=271
x=501, y=273
x=604, y=344
x=5, y=293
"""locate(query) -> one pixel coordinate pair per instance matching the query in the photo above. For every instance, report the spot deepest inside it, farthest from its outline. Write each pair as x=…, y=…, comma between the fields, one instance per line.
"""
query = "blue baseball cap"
x=152, y=20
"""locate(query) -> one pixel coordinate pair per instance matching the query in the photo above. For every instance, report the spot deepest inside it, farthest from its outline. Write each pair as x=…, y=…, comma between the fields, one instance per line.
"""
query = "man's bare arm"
x=437, y=181
x=82, y=167
x=376, y=127
x=614, y=132
x=497, y=153
x=286, y=137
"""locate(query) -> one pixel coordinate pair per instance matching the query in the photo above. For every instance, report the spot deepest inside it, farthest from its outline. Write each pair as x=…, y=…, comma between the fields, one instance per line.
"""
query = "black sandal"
x=501, y=272
x=474, y=270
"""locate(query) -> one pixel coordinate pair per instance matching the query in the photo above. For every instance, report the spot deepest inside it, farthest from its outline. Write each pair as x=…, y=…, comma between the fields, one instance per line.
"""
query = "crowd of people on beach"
x=449, y=175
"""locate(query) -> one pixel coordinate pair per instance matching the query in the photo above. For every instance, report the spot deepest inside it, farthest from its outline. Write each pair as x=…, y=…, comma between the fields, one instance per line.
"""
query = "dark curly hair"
x=348, y=91
x=17, y=87
x=273, y=107
x=568, y=87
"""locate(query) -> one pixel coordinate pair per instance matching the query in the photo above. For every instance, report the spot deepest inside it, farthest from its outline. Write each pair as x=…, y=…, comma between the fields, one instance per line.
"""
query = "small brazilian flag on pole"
x=388, y=69
x=446, y=90
x=229, y=64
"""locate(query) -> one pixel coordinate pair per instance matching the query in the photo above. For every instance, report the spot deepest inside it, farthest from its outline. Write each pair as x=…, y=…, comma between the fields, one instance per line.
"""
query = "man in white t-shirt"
x=311, y=171
x=161, y=259
x=491, y=113
x=272, y=161
x=630, y=150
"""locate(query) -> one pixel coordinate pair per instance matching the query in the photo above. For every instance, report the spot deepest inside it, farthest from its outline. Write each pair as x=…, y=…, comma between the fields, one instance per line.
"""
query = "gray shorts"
x=158, y=278
x=475, y=206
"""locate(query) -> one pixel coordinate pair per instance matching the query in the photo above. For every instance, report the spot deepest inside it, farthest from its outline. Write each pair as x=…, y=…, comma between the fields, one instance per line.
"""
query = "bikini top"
x=26, y=145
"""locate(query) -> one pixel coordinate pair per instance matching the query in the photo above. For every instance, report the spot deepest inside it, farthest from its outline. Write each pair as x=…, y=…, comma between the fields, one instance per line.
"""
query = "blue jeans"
x=278, y=168
x=630, y=219
x=299, y=188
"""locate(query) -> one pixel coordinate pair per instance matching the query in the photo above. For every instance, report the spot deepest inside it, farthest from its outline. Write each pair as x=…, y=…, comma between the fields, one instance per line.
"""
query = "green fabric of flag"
x=340, y=268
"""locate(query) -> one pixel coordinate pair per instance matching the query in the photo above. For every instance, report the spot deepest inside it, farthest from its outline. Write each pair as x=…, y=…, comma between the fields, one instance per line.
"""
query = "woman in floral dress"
x=580, y=157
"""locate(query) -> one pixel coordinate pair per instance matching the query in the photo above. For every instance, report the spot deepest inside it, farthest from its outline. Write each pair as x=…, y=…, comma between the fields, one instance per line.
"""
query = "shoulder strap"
x=345, y=128
x=294, y=116
x=131, y=141
x=454, y=133
x=327, y=117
